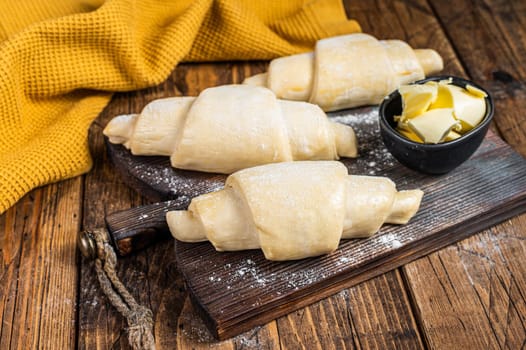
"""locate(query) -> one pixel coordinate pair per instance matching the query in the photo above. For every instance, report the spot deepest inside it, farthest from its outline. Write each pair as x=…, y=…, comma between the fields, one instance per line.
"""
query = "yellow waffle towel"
x=61, y=60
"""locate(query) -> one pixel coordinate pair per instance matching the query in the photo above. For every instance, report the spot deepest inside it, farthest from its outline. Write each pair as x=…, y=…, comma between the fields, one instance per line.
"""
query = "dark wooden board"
x=237, y=291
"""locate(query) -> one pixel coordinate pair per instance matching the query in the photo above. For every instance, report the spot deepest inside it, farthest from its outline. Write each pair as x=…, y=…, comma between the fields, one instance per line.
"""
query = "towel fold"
x=61, y=60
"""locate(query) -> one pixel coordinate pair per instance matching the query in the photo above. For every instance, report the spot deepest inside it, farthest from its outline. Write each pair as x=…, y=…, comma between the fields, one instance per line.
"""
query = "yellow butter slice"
x=456, y=111
x=434, y=125
x=452, y=135
x=476, y=92
x=410, y=135
x=444, y=96
x=416, y=99
x=468, y=108
x=402, y=124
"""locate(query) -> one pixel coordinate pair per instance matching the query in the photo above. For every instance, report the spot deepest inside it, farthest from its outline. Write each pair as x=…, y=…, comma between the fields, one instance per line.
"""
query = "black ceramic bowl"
x=431, y=158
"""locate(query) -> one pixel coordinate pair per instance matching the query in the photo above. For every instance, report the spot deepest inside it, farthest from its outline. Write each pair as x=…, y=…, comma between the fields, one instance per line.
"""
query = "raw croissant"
x=232, y=127
x=347, y=71
x=293, y=210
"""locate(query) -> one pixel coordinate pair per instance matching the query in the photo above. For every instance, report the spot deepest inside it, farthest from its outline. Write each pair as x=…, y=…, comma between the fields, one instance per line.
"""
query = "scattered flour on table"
x=181, y=184
x=178, y=182
x=345, y=260
x=247, y=274
x=373, y=156
x=391, y=240
x=252, y=276
x=373, y=159
x=194, y=330
x=192, y=327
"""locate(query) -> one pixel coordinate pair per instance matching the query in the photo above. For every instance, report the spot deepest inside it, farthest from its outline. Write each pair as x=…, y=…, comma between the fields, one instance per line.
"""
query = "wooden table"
x=470, y=295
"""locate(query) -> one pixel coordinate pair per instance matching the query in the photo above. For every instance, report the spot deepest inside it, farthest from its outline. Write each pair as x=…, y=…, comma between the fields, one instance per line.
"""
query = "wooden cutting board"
x=237, y=291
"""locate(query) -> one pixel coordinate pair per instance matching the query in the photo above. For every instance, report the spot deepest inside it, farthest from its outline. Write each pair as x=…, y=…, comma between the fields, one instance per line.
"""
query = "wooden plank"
x=447, y=211
x=100, y=326
x=14, y=223
x=371, y=315
x=461, y=184
x=386, y=21
x=375, y=314
x=490, y=38
x=476, y=285
x=150, y=275
x=394, y=326
x=39, y=256
x=240, y=290
x=167, y=304
x=57, y=242
x=412, y=21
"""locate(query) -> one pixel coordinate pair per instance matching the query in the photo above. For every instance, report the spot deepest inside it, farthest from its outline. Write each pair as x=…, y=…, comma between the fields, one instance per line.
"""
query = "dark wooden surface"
x=132, y=230
x=467, y=295
x=235, y=292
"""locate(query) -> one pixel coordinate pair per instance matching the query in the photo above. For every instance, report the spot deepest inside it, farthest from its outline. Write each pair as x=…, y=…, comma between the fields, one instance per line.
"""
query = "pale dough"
x=232, y=127
x=293, y=210
x=347, y=71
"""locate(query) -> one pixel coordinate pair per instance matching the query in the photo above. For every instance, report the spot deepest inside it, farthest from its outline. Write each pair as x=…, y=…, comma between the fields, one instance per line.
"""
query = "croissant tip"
x=120, y=128
x=430, y=60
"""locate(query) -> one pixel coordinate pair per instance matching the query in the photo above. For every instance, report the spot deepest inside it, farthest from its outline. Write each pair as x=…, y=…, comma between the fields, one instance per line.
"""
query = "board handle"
x=133, y=229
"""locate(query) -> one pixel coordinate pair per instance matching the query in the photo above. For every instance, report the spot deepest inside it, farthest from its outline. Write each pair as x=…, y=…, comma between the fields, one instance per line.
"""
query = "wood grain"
x=410, y=12
x=239, y=290
x=470, y=286
x=100, y=326
x=132, y=230
x=468, y=295
x=39, y=252
x=490, y=38
x=23, y=215
x=374, y=314
x=231, y=305
x=490, y=308
x=242, y=339
x=417, y=16
x=395, y=331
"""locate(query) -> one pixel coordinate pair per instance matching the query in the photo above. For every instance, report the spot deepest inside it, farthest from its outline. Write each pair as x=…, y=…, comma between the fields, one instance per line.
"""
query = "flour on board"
x=373, y=156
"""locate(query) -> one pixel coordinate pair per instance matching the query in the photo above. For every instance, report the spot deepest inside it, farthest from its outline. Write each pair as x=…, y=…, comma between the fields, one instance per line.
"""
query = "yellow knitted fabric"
x=61, y=60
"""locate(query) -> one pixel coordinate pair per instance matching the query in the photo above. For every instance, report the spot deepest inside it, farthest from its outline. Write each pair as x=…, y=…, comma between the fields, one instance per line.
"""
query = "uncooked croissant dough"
x=347, y=71
x=293, y=210
x=232, y=127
